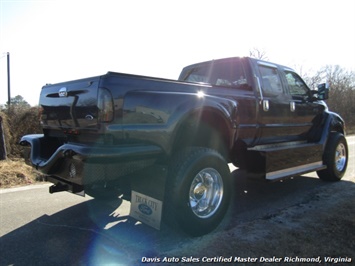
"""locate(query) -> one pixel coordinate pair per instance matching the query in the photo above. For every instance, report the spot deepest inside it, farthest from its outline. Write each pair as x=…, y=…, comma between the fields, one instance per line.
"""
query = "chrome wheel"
x=206, y=193
x=340, y=157
x=335, y=157
x=198, y=190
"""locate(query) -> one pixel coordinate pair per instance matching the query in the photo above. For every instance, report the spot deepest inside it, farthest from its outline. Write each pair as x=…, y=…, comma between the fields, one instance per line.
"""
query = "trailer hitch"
x=58, y=188
x=63, y=185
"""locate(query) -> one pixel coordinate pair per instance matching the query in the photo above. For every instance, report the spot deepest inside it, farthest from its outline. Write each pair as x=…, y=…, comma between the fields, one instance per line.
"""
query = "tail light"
x=41, y=116
x=105, y=105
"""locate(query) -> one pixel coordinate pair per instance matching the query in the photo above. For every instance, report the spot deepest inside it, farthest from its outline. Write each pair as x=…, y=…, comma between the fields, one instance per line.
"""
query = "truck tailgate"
x=70, y=105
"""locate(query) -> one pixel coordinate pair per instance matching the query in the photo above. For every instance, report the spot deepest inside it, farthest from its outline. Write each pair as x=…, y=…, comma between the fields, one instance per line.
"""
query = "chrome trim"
x=266, y=105
x=89, y=117
x=63, y=92
x=294, y=170
x=206, y=193
x=292, y=106
x=340, y=157
x=278, y=145
x=259, y=87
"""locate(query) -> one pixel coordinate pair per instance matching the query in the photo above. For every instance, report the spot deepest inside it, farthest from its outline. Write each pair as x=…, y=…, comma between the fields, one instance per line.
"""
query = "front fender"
x=333, y=123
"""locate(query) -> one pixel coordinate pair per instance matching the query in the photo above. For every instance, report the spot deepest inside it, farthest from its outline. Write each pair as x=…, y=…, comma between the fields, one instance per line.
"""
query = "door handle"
x=292, y=106
x=266, y=105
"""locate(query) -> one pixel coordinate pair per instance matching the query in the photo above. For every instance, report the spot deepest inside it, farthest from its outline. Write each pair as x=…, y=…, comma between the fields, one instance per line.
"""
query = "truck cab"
x=285, y=107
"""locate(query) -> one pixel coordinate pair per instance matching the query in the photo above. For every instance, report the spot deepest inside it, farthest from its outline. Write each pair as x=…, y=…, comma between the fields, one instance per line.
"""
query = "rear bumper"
x=82, y=164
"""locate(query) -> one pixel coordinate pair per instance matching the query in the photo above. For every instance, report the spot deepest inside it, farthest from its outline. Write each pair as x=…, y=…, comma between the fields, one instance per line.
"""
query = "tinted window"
x=296, y=85
x=271, y=83
x=227, y=74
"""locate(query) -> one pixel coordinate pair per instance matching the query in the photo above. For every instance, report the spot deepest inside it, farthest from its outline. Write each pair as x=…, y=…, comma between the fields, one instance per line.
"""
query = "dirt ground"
x=320, y=230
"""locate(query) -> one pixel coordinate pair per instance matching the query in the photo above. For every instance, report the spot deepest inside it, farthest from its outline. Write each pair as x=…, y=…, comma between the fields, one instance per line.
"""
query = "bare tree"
x=342, y=90
x=18, y=119
x=258, y=54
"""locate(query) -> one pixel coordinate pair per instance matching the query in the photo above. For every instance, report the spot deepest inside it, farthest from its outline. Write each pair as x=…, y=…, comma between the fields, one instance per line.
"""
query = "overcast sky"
x=56, y=40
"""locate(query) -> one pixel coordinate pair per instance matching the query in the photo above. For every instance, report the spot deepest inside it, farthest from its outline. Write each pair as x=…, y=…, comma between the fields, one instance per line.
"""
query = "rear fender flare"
x=225, y=112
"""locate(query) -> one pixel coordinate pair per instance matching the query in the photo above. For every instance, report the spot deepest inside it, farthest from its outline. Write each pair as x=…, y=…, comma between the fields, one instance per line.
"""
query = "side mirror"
x=323, y=91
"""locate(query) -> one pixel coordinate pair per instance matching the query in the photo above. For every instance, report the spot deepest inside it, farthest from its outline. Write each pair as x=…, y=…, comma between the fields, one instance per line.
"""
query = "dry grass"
x=14, y=172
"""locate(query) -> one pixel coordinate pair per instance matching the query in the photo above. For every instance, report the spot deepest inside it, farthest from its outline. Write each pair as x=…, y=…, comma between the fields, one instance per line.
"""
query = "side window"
x=228, y=74
x=224, y=74
x=296, y=85
x=271, y=82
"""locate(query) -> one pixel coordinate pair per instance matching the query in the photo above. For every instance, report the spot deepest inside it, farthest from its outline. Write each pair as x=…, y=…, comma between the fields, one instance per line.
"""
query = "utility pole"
x=8, y=80
x=3, y=154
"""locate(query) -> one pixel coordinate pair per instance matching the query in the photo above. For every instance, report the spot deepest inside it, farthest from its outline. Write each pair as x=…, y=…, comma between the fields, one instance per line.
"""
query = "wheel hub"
x=340, y=157
x=206, y=193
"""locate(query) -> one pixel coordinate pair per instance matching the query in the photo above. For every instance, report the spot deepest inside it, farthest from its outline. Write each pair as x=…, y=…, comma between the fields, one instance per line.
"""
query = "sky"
x=52, y=41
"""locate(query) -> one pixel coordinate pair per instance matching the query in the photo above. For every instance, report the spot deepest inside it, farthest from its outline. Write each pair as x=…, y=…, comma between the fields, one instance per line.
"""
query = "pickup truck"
x=107, y=134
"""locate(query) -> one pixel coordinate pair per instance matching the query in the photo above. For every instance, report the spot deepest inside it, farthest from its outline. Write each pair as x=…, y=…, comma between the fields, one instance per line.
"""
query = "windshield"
x=225, y=73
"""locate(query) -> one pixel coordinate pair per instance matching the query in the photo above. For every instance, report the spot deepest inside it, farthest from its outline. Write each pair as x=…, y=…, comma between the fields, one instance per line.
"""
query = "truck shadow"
x=256, y=198
x=98, y=233
x=89, y=233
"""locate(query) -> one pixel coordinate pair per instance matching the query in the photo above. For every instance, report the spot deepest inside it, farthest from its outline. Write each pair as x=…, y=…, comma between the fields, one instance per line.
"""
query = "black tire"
x=335, y=157
x=198, y=190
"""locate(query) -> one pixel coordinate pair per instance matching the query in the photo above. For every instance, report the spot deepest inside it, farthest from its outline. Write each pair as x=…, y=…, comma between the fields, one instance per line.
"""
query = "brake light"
x=105, y=105
x=40, y=115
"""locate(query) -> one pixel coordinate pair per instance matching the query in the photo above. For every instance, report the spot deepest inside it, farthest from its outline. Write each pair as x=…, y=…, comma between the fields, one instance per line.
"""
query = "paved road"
x=38, y=228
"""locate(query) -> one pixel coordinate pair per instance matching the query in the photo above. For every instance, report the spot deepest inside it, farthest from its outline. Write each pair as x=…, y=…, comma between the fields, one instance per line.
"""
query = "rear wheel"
x=198, y=190
x=335, y=158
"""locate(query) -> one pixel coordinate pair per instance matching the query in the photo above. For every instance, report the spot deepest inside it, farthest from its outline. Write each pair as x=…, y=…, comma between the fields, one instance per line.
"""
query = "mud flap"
x=147, y=196
x=146, y=209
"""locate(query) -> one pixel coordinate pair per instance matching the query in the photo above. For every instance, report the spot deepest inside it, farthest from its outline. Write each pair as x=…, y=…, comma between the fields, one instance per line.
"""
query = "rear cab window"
x=225, y=74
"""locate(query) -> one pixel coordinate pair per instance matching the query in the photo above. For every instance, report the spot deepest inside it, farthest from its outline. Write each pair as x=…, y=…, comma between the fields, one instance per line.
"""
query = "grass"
x=14, y=172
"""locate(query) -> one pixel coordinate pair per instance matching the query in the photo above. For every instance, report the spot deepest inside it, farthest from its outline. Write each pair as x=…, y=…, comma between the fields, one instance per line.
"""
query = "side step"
x=280, y=161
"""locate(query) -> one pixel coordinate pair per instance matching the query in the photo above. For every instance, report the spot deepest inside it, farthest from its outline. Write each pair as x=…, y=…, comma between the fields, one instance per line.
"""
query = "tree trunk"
x=2, y=142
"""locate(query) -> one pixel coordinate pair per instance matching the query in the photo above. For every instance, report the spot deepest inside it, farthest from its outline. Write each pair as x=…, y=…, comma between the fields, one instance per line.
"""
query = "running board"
x=295, y=171
x=280, y=161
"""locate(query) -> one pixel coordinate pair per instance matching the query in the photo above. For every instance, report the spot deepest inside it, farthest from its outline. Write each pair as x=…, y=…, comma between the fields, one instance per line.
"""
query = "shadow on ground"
x=95, y=233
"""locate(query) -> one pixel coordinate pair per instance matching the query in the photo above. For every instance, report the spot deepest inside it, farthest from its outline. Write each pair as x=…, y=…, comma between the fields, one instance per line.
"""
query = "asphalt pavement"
x=38, y=228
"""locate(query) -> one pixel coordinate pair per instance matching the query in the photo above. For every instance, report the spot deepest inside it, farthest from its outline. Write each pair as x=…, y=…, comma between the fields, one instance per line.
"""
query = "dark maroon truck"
x=173, y=139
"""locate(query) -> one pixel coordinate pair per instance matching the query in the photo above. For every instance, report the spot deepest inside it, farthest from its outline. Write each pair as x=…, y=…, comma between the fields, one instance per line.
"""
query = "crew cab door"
x=274, y=106
x=304, y=111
